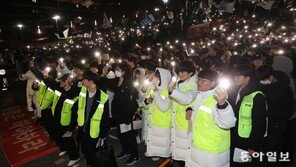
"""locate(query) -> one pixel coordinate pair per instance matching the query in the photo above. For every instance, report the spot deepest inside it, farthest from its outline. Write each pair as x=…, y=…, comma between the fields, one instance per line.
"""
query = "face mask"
x=118, y=73
x=110, y=75
x=155, y=82
x=265, y=82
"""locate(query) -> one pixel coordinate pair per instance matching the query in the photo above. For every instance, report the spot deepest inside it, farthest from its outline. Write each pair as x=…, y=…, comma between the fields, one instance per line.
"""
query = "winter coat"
x=256, y=140
x=159, y=139
x=180, y=138
x=225, y=119
x=31, y=78
x=124, y=104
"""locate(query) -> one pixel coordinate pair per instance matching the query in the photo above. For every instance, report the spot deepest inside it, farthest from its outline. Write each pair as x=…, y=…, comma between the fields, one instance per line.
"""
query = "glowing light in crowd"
x=2, y=72
x=192, y=51
x=173, y=63
x=20, y=26
x=281, y=51
x=165, y=1
x=174, y=79
x=148, y=48
x=61, y=59
x=224, y=83
x=269, y=24
x=159, y=60
x=97, y=53
x=120, y=61
x=28, y=46
x=146, y=82
x=38, y=30
x=136, y=84
x=254, y=46
x=56, y=17
x=83, y=61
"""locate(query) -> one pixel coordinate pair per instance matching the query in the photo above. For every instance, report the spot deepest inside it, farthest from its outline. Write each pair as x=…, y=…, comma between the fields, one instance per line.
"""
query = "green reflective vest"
x=207, y=135
x=67, y=111
x=95, y=121
x=40, y=92
x=245, y=116
x=159, y=118
x=47, y=99
x=180, y=119
x=56, y=97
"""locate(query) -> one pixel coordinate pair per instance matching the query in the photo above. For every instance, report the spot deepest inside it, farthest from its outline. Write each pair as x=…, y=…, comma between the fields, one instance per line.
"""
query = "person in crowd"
x=258, y=60
x=211, y=118
x=92, y=116
x=124, y=106
x=249, y=136
x=281, y=104
x=159, y=135
x=30, y=93
x=182, y=91
x=79, y=70
x=94, y=68
x=139, y=80
x=64, y=120
x=133, y=63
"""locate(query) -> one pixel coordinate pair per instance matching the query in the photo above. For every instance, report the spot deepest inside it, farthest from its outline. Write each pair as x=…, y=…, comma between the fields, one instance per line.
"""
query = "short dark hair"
x=187, y=66
x=133, y=59
x=209, y=74
x=91, y=76
x=244, y=70
x=80, y=66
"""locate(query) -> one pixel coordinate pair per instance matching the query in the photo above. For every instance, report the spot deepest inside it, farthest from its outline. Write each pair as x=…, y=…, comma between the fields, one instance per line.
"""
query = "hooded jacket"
x=158, y=138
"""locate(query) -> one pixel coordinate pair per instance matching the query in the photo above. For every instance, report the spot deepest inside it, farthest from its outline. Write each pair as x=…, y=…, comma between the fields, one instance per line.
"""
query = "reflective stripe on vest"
x=48, y=99
x=159, y=118
x=67, y=111
x=207, y=135
x=180, y=119
x=40, y=92
x=245, y=116
x=56, y=97
x=81, y=106
x=95, y=121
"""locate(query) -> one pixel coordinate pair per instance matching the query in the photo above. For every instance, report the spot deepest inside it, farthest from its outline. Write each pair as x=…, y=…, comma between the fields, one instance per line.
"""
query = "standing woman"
x=159, y=135
x=183, y=94
x=124, y=106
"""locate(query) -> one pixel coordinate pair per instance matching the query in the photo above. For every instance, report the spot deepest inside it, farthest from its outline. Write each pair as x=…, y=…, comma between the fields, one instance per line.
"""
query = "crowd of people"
x=224, y=100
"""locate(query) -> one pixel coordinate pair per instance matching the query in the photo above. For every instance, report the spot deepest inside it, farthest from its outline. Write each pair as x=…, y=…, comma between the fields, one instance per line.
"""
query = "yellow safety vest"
x=180, y=119
x=40, y=92
x=96, y=118
x=56, y=97
x=207, y=135
x=245, y=116
x=47, y=99
x=67, y=111
x=159, y=118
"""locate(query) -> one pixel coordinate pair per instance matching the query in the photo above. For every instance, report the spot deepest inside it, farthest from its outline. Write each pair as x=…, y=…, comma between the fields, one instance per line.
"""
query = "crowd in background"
x=174, y=88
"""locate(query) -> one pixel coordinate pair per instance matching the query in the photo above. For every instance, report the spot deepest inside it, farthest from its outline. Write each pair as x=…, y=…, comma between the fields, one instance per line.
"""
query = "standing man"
x=183, y=94
x=93, y=117
x=211, y=119
x=249, y=137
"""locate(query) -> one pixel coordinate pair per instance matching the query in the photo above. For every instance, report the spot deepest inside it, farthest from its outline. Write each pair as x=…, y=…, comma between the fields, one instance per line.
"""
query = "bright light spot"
x=56, y=17
x=281, y=51
x=146, y=82
x=97, y=53
x=83, y=61
x=173, y=63
x=224, y=83
x=136, y=84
